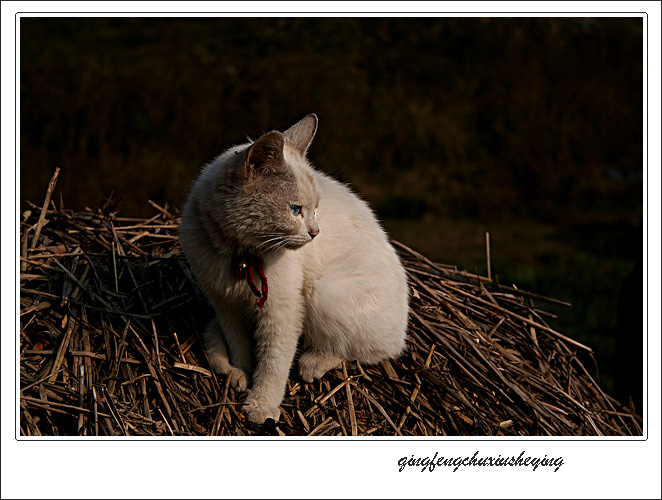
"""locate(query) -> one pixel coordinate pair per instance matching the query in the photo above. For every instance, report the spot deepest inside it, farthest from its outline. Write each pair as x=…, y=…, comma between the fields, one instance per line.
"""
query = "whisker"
x=276, y=239
x=278, y=244
x=266, y=235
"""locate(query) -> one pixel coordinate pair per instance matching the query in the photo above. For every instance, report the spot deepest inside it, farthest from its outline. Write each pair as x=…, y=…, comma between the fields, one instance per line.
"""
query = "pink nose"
x=314, y=232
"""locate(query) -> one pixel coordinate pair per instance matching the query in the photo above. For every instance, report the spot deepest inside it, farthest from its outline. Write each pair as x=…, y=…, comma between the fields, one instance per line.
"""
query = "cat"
x=260, y=214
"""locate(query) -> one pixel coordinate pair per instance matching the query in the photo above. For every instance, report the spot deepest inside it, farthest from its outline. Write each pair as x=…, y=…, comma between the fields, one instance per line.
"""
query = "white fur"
x=345, y=290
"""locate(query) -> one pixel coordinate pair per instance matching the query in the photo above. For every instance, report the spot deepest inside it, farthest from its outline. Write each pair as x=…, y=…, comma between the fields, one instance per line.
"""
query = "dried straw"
x=110, y=323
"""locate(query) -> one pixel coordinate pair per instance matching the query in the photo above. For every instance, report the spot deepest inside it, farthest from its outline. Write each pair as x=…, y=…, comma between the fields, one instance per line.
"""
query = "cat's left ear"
x=265, y=156
x=301, y=134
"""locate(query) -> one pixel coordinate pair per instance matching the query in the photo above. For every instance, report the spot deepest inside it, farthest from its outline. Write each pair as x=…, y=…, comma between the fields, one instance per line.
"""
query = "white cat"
x=261, y=222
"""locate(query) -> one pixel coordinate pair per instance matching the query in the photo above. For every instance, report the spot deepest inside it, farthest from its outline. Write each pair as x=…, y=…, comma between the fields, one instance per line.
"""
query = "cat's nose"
x=314, y=232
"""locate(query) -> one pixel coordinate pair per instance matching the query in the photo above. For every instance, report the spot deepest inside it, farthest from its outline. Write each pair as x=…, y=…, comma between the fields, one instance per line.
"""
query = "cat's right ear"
x=265, y=156
x=301, y=134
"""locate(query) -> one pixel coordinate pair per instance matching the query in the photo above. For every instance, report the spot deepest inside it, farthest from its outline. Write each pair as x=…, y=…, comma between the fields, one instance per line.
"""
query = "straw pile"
x=110, y=321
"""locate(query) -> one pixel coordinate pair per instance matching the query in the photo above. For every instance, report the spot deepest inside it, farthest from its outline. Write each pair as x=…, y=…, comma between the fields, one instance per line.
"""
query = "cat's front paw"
x=219, y=362
x=258, y=413
x=238, y=379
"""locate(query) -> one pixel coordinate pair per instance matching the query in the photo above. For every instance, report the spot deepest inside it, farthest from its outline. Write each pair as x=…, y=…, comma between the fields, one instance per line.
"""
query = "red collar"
x=245, y=267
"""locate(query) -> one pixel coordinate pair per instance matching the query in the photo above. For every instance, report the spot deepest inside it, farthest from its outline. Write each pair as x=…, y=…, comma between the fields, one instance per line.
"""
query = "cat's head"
x=268, y=198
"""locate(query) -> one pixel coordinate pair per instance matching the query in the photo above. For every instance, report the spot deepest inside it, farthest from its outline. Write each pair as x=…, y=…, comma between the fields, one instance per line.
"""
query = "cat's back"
x=348, y=220
x=352, y=243
x=359, y=296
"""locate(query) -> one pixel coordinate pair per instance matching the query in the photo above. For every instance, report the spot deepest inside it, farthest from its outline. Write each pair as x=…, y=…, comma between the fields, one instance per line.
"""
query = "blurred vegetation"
x=529, y=128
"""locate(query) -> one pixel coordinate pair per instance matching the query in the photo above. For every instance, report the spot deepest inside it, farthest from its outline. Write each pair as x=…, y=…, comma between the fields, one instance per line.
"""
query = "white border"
x=313, y=468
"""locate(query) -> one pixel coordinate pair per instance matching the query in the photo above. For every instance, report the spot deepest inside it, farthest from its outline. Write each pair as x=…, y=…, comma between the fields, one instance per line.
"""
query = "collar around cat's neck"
x=245, y=266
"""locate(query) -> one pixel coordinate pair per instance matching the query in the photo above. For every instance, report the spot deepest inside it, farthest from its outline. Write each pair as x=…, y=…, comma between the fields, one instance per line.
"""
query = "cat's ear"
x=301, y=134
x=265, y=156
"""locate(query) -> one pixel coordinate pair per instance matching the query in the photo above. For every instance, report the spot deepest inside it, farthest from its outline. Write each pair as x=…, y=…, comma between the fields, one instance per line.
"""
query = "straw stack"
x=110, y=322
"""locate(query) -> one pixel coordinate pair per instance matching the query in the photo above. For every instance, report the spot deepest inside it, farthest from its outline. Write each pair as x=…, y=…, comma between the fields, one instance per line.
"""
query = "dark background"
x=529, y=128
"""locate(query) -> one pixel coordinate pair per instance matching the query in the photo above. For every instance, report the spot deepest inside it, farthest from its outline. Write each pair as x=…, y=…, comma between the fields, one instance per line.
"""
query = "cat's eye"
x=295, y=209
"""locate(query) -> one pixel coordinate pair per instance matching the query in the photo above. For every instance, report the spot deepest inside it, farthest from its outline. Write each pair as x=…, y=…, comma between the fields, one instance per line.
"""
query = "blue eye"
x=295, y=209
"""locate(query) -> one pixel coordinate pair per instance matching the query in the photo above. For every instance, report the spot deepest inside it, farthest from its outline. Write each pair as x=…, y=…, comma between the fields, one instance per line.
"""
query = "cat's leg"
x=217, y=352
x=276, y=337
x=314, y=364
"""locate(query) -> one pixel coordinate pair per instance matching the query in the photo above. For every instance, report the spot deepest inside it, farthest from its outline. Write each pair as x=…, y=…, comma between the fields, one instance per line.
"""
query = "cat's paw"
x=219, y=362
x=259, y=413
x=314, y=364
x=238, y=380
